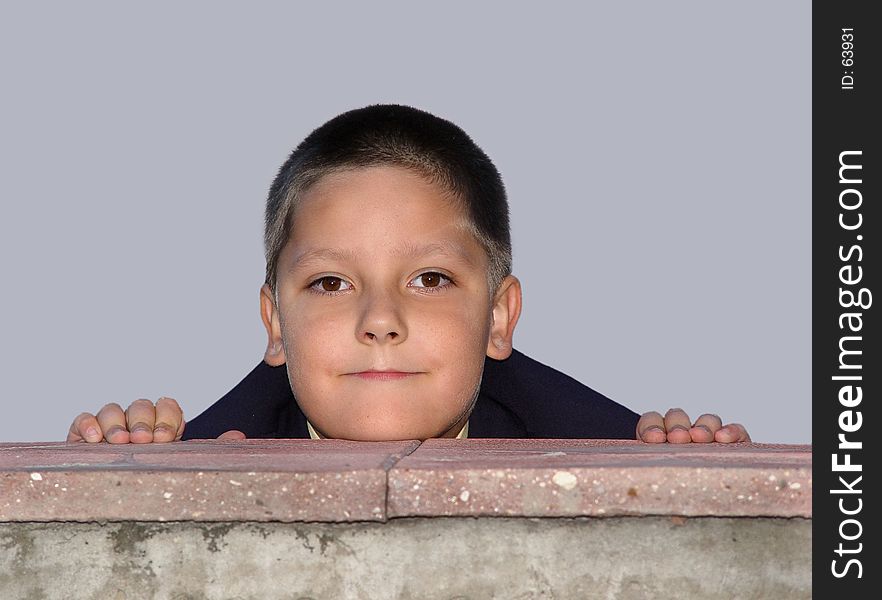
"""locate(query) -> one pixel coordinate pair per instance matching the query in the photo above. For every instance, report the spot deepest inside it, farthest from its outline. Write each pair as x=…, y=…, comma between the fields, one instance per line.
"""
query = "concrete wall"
x=412, y=558
x=446, y=519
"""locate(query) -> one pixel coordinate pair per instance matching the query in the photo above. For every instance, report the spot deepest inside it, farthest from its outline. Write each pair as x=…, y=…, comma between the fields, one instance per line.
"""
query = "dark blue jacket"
x=519, y=398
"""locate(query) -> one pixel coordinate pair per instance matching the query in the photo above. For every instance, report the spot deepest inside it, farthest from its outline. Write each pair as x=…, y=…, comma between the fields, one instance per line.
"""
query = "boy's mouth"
x=384, y=375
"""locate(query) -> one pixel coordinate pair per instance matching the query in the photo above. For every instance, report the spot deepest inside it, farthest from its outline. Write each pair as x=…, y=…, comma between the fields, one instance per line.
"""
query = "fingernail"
x=674, y=427
x=652, y=429
x=92, y=433
x=113, y=431
x=140, y=428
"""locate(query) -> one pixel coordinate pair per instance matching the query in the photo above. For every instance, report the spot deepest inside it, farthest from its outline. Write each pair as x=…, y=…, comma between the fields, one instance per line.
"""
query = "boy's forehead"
x=304, y=255
x=417, y=217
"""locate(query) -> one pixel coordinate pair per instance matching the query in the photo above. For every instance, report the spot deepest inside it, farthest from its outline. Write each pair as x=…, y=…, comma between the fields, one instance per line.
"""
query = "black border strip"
x=846, y=111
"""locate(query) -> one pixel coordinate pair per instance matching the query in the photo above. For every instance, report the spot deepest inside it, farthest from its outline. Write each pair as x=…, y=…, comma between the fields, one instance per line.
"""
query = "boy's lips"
x=384, y=374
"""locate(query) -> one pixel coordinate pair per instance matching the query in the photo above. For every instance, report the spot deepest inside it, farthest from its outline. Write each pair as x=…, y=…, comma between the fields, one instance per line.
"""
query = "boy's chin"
x=389, y=411
x=390, y=433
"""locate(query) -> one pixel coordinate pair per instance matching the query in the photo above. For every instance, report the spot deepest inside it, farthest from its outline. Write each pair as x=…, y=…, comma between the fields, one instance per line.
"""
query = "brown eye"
x=430, y=279
x=331, y=284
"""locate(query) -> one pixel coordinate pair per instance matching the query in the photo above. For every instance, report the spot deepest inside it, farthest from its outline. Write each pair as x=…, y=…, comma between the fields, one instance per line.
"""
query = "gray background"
x=657, y=158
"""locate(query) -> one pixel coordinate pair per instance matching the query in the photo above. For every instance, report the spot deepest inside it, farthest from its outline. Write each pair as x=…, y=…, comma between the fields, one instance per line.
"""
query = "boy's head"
x=408, y=138
x=388, y=274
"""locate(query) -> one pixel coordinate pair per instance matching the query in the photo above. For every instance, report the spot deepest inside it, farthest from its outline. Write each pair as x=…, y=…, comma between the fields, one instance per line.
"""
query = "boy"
x=390, y=307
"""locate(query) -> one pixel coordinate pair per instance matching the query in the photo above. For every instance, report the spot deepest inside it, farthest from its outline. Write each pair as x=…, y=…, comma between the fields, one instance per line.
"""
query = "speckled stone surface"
x=335, y=480
x=566, y=478
x=251, y=480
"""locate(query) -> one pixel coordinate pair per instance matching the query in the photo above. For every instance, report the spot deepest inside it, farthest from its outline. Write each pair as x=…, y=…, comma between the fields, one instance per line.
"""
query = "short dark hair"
x=391, y=134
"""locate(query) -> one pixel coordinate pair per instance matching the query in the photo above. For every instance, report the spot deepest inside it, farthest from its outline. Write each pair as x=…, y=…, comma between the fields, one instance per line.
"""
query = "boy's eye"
x=430, y=280
x=330, y=284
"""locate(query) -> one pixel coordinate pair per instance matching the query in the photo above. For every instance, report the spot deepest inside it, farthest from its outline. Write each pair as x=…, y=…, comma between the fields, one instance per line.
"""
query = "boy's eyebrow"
x=319, y=254
x=446, y=248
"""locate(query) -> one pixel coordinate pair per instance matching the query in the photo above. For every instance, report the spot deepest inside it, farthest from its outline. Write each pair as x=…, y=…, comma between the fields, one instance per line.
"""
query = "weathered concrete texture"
x=487, y=477
x=337, y=480
x=253, y=480
x=445, y=558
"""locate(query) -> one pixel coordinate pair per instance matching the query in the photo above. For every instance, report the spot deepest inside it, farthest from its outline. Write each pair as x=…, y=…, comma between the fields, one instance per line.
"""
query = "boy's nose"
x=390, y=335
x=382, y=323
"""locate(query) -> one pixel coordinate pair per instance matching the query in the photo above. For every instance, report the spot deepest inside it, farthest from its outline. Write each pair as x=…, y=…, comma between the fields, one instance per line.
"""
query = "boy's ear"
x=506, y=310
x=269, y=312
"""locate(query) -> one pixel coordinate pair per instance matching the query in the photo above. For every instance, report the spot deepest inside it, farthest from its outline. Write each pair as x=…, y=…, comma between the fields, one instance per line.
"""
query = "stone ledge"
x=570, y=478
x=251, y=480
x=340, y=481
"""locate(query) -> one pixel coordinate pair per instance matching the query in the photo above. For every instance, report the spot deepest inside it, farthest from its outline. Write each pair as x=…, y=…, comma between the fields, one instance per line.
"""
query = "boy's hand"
x=676, y=428
x=142, y=423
